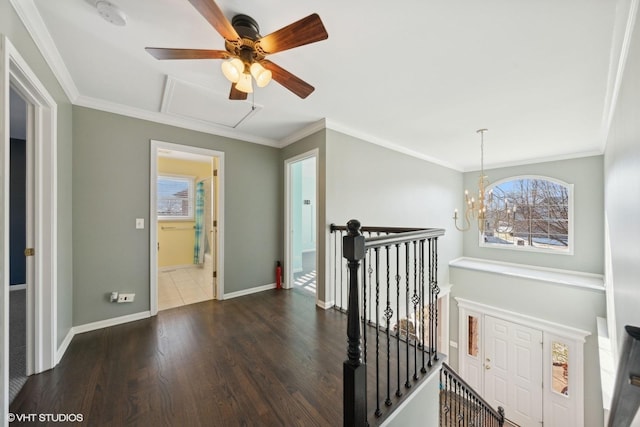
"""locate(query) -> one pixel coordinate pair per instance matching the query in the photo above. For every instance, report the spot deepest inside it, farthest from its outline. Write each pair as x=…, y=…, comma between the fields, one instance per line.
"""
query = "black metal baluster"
x=398, y=392
x=364, y=328
x=424, y=345
x=388, y=312
x=341, y=270
x=415, y=300
x=370, y=271
x=378, y=411
x=436, y=292
x=337, y=260
x=407, y=383
x=430, y=301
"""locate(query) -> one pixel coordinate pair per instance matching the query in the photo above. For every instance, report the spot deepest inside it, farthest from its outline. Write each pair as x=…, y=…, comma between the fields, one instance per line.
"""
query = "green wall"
x=111, y=168
x=586, y=174
x=12, y=27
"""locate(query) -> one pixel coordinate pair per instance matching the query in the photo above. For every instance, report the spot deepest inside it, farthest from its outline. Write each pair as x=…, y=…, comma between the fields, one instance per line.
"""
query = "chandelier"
x=475, y=209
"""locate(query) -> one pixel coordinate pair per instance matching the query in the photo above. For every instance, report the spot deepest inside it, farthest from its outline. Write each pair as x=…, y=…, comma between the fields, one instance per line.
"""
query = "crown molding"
x=303, y=133
x=338, y=127
x=30, y=17
x=181, y=122
x=625, y=20
x=535, y=160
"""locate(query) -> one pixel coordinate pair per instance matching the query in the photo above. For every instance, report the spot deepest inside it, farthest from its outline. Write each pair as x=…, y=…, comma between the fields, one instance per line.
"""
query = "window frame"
x=570, y=238
x=191, y=198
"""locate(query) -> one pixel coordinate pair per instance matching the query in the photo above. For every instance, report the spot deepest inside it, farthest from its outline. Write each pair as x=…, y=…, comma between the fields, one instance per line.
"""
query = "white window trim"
x=192, y=187
x=568, y=251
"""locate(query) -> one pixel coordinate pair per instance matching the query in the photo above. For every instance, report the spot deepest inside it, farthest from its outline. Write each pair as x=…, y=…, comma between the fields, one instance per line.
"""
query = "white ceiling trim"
x=36, y=27
x=303, y=133
x=191, y=124
x=623, y=30
x=338, y=127
x=569, y=156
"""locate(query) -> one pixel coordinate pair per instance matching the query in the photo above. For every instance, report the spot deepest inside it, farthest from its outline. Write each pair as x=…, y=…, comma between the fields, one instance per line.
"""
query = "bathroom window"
x=529, y=213
x=175, y=197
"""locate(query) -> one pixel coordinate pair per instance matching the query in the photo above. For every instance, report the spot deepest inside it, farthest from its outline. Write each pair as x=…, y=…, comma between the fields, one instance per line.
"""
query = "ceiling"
x=419, y=76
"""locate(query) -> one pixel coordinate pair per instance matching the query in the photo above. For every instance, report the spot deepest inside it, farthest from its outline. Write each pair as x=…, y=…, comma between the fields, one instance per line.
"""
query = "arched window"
x=529, y=213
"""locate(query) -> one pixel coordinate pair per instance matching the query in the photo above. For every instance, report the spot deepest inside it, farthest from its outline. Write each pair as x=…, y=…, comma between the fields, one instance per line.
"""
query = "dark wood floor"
x=268, y=359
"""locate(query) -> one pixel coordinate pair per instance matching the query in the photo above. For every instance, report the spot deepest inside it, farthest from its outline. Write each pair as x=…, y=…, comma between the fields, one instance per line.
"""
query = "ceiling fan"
x=246, y=49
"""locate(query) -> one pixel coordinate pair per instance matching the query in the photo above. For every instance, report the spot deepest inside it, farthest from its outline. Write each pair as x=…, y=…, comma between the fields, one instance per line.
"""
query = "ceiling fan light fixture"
x=233, y=69
x=262, y=75
x=244, y=84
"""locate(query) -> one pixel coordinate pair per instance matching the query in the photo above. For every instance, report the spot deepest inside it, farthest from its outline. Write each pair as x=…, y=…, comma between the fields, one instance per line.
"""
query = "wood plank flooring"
x=268, y=359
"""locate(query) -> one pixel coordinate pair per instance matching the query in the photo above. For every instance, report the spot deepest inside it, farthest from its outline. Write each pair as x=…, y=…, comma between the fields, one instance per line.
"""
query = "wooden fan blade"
x=168, y=53
x=213, y=14
x=236, y=94
x=305, y=31
x=288, y=80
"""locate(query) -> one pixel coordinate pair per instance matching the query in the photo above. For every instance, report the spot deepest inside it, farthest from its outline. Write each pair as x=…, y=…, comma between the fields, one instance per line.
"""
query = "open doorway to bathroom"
x=185, y=225
x=301, y=218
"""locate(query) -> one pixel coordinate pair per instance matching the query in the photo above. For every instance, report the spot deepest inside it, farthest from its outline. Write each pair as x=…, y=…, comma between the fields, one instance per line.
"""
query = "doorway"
x=185, y=225
x=531, y=367
x=301, y=218
x=41, y=342
x=19, y=162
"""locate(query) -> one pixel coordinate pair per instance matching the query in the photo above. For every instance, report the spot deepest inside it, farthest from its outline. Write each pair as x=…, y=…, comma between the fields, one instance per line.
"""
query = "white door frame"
x=42, y=130
x=153, y=218
x=288, y=256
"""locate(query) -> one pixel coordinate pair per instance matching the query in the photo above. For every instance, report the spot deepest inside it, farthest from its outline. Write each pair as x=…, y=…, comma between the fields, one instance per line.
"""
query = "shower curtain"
x=200, y=241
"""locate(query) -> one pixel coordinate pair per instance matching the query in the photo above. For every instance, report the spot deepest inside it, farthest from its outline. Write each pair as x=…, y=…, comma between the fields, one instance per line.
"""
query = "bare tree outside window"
x=530, y=213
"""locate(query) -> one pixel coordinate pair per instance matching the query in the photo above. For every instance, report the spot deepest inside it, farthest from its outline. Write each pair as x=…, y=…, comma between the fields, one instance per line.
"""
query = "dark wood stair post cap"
x=353, y=242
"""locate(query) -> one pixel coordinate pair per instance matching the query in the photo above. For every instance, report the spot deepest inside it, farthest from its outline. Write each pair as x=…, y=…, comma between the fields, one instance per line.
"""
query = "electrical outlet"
x=126, y=297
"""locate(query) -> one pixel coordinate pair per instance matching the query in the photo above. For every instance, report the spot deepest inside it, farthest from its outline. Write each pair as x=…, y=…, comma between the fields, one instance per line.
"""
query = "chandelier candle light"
x=475, y=209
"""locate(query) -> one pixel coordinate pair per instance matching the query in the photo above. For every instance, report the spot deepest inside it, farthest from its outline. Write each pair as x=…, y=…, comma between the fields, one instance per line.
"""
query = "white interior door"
x=513, y=370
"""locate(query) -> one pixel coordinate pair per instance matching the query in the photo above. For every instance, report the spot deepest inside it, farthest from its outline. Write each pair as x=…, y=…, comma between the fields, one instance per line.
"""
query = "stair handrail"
x=498, y=414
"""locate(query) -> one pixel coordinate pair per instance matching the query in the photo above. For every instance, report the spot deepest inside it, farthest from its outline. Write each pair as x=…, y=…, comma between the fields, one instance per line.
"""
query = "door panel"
x=513, y=370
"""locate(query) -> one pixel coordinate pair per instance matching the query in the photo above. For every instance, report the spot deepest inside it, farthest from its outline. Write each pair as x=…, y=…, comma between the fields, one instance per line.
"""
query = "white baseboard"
x=110, y=322
x=325, y=305
x=249, y=291
x=65, y=344
x=87, y=327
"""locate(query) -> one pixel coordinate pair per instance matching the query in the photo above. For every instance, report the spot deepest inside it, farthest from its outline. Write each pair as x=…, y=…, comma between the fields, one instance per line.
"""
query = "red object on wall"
x=278, y=275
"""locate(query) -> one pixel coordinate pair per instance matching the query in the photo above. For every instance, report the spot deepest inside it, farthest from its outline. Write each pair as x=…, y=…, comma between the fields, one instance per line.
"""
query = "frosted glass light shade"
x=262, y=75
x=244, y=84
x=233, y=69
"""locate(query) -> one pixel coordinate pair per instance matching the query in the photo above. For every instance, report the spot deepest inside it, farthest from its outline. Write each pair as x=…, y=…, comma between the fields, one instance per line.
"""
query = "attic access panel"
x=196, y=102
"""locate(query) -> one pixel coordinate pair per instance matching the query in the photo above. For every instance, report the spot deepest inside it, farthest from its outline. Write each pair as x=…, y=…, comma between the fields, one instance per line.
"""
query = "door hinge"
x=215, y=172
x=29, y=252
x=215, y=223
x=215, y=274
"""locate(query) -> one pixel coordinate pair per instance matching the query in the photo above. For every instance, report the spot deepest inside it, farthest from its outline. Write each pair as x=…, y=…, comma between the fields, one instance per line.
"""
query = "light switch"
x=139, y=223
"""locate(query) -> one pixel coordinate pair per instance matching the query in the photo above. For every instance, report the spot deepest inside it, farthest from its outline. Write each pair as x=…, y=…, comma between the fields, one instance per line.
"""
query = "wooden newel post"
x=501, y=413
x=354, y=371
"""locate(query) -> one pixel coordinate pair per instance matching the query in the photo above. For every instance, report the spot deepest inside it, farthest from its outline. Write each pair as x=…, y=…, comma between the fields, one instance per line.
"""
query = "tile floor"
x=182, y=286
x=306, y=281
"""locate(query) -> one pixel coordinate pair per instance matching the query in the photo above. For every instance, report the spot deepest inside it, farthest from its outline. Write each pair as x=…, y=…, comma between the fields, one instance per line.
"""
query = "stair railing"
x=461, y=405
x=399, y=288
